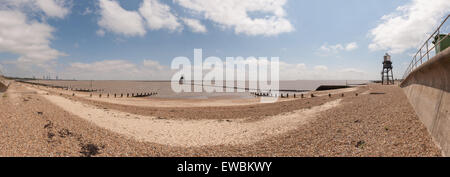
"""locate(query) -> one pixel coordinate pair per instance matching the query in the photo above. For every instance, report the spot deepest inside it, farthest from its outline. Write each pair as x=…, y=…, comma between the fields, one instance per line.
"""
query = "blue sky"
x=328, y=39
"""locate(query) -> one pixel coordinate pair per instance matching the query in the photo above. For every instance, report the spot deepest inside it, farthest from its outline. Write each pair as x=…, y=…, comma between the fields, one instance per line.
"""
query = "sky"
x=138, y=39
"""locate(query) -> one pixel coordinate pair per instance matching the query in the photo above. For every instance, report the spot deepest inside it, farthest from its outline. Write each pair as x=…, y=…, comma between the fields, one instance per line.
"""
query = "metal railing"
x=418, y=58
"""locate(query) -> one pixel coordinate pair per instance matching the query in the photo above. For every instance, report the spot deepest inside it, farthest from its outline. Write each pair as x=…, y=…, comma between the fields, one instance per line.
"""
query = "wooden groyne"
x=100, y=93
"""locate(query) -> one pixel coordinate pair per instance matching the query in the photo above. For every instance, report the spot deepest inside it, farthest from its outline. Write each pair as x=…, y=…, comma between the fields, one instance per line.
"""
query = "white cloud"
x=408, y=26
x=321, y=68
x=158, y=16
x=100, y=32
x=351, y=70
x=153, y=64
x=87, y=11
x=118, y=20
x=51, y=8
x=105, y=66
x=118, y=70
x=236, y=14
x=351, y=46
x=26, y=38
x=299, y=71
x=152, y=70
x=195, y=25
x=326, y=49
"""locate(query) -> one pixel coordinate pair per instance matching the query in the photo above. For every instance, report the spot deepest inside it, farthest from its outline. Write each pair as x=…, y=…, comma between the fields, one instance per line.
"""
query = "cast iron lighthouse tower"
x=387, y=76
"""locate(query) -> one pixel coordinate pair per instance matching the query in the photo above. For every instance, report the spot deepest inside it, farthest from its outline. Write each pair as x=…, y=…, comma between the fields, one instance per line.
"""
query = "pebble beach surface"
x=377, y=122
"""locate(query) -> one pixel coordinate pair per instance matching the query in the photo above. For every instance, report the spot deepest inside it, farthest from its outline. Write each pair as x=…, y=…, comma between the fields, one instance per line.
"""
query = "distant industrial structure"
x=387, y=75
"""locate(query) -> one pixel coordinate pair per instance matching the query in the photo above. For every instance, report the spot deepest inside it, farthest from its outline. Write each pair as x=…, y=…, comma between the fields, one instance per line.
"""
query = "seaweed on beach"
x=89, y=150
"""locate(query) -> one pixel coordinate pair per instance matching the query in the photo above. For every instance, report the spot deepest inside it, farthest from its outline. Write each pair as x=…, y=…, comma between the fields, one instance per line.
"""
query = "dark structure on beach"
x=181, y=81
x=387, y=76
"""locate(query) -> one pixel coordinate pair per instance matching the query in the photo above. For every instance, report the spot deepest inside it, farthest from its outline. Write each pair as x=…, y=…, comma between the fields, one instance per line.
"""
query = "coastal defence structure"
x=426, y=83
x=427, y=89
x=3, y=84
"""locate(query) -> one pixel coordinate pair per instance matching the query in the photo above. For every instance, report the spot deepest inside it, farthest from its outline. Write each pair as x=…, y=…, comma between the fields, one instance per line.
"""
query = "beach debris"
x=329, y=95
x=50, y=135
x=312, y=95
x=40, y=113
x=48, y=125
x=356, y=94
x=64, y=133
x=360, y=144
x=89, y=150
x=342, y=95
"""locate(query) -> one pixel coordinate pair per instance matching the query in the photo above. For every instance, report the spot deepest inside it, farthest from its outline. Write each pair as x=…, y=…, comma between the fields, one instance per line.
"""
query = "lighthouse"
x=387, y=76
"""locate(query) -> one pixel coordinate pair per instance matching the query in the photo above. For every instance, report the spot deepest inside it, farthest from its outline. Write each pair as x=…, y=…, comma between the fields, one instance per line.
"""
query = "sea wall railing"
x=421, y=55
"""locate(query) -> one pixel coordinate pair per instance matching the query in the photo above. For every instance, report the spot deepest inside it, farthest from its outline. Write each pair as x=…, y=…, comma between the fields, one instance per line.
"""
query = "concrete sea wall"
x=427, y=89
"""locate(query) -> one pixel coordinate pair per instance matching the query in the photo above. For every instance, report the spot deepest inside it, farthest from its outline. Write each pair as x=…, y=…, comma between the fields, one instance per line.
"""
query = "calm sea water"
x=164, y=87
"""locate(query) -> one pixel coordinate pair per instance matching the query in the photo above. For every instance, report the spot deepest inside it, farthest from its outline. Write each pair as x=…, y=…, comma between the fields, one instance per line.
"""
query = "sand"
x=157, y=102
x=251, y=109
x=364, y=125
x=188, y=133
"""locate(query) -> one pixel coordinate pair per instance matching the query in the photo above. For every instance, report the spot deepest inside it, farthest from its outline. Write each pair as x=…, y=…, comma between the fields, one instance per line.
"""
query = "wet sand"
x=35, y=126
x=229, y=109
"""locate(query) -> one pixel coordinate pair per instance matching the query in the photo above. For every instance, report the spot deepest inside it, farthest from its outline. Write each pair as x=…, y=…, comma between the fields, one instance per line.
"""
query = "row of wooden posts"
x=115, y=95
x=260, y=94
x=100, y=95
